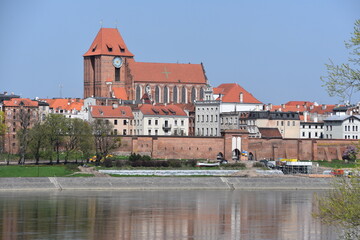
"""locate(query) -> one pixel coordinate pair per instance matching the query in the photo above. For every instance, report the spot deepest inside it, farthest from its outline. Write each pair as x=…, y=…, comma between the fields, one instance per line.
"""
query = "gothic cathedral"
x=110, y=71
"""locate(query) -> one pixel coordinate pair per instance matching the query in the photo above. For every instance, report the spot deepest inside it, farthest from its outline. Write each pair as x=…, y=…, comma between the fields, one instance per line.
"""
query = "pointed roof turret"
x=108, y=41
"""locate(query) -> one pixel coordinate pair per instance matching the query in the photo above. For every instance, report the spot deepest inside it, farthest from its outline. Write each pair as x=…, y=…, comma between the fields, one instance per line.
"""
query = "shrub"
x=258, y=164
x=164, y=164
x=174, y=163
x=119, y=163
x=107, y=163
x=234, y=165
x=134, y=157
x=191, y=163
x=146, y=158
x=349, y=153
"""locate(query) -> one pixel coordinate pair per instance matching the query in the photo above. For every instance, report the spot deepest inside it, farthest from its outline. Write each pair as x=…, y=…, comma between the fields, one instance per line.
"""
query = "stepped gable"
x=230, y=92
x=108, y=41
x=167, y=73
x=111, y=112
x=16, y=102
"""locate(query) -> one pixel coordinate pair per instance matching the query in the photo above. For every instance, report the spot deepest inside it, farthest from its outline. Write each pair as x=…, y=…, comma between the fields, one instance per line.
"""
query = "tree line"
x=68, y=136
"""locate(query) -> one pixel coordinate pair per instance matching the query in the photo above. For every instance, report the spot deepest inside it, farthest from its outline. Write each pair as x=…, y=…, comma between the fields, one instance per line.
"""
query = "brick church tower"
x=105, y=66
x=111, y=71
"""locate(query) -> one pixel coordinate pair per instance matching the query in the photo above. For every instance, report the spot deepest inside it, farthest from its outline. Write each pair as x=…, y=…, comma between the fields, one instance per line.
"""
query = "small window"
x=125, y=122
x=182, y=122
x=149, y=122
x=115, y=122
x=156, y=122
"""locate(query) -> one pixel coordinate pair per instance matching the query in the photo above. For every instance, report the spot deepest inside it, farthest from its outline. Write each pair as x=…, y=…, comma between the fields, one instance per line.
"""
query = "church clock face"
x=117, y=62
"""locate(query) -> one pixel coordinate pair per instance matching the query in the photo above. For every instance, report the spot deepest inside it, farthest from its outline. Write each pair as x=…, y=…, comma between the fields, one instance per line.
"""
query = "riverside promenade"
x=164, y=183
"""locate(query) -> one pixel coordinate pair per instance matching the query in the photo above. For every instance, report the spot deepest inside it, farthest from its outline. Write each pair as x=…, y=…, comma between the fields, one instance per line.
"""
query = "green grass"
x=82, y=175
x=338, y=164
x=34, y=171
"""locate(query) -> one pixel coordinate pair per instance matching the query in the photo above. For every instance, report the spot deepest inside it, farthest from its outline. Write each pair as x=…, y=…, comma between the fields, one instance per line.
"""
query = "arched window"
x=138, y=93
x=166, y=97
x=201, y=94
x=193, y=95
x=175, y=94
x=157, y=94
x=183, y=95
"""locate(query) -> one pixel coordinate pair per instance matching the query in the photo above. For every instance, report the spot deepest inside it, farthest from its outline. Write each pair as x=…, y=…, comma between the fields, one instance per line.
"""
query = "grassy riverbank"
x=36, y=171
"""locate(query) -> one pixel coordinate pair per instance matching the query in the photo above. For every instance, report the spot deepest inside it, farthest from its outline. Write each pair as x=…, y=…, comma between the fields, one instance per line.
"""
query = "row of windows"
x=348, y=128
x=207, y=131
x=309, y=134
x=157, y=122
x=209, y=118
x=328, y=128
x=349, y=136
x=278, y=123
x=316, y=126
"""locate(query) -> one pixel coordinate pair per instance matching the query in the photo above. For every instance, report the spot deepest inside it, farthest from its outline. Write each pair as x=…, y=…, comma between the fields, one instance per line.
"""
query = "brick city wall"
x=207, y=148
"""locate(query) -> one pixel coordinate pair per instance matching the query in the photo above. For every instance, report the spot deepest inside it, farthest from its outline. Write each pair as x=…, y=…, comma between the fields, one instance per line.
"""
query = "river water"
x=193, y=214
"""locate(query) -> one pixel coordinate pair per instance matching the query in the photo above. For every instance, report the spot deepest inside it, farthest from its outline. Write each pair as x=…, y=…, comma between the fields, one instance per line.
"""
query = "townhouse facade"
x=164, y=120
x=342, y=127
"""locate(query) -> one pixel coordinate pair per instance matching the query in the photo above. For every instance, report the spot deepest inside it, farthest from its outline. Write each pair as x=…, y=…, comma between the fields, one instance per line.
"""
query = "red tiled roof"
x=170, y=110
x=167, y=72
x=231, y=93
x=15, y=102
x=322, y=109
x=111, y=112
x=301, y=103
x=120, y=93
x=270, y=133
x=106, y=39
x=65, y=103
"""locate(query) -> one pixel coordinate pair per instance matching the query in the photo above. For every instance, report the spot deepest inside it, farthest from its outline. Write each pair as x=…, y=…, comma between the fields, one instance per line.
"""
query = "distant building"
x=19, y=113
x=342, y=127
x=207, y=118
x=120, y=117
x=111, y=71
x=69, y=107
x=160, y=120
x=311, y=129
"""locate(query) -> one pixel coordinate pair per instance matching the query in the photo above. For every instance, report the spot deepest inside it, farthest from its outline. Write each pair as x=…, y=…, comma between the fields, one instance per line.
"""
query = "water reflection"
x=160, y=215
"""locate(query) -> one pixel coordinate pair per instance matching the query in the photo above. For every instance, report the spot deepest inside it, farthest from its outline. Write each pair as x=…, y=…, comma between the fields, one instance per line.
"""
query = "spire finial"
x=101, y=23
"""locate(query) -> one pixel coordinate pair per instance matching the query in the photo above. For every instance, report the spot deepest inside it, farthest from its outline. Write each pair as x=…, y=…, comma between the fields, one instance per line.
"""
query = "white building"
x=160, y=120
x=342, y=127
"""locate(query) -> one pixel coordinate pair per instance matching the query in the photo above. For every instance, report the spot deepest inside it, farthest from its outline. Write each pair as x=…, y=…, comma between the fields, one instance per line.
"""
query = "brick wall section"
x=208, y=147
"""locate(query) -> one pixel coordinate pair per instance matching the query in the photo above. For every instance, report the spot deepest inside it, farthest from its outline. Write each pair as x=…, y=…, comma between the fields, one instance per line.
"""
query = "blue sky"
x=274, y=49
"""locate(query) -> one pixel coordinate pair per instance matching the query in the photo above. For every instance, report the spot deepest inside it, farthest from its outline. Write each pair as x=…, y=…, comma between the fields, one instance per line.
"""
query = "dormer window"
x=121, y=49
x=94, y=48
x=109, y=47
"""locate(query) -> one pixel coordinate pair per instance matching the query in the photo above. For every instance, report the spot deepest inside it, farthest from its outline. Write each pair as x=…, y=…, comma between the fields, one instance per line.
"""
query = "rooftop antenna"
x=101, y=23
x=60, y=89
x=116, y=23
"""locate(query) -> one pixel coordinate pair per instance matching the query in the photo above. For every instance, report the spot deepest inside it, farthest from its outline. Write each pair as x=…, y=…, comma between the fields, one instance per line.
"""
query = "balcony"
x=166, y=127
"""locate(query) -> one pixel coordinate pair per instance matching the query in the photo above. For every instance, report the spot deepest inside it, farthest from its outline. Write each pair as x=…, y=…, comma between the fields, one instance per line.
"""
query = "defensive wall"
x=183, y=147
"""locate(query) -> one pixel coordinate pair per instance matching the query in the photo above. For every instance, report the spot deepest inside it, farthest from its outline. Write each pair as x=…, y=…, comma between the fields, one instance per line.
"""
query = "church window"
x=193, y=94
x=166, y=94
x=201, y=93
x=183, y=95
x=138, y=92
x=157, y=94
x=117, y=74
x=175, y=94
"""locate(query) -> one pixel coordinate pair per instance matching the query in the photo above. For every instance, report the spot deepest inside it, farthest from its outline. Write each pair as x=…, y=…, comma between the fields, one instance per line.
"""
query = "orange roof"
x=231, y=93
x=16, y=102
x=167, y=72
x=65, y=103
x=108, y=41
x=301, y=103
x=170, y=110
x=323, y=109
x=120, y=93
x=111, y=112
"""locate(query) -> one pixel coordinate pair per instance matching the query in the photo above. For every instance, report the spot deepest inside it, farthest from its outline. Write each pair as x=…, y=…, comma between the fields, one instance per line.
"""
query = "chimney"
x=283, y=106
x=115, y=105
x=241, y=97
x=297, y=106
x=323, y=107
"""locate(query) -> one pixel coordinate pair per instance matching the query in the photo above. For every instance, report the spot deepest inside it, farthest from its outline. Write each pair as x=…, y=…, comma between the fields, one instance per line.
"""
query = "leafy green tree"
x=55, y=131
x=25, y=120
x=38, y=140
x=344, y=80
x=104, y=141
x=341, y=207
x=78, y=137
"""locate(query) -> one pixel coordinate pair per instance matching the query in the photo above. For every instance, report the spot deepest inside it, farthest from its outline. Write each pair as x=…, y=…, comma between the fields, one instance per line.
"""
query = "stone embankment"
x=164, y=183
